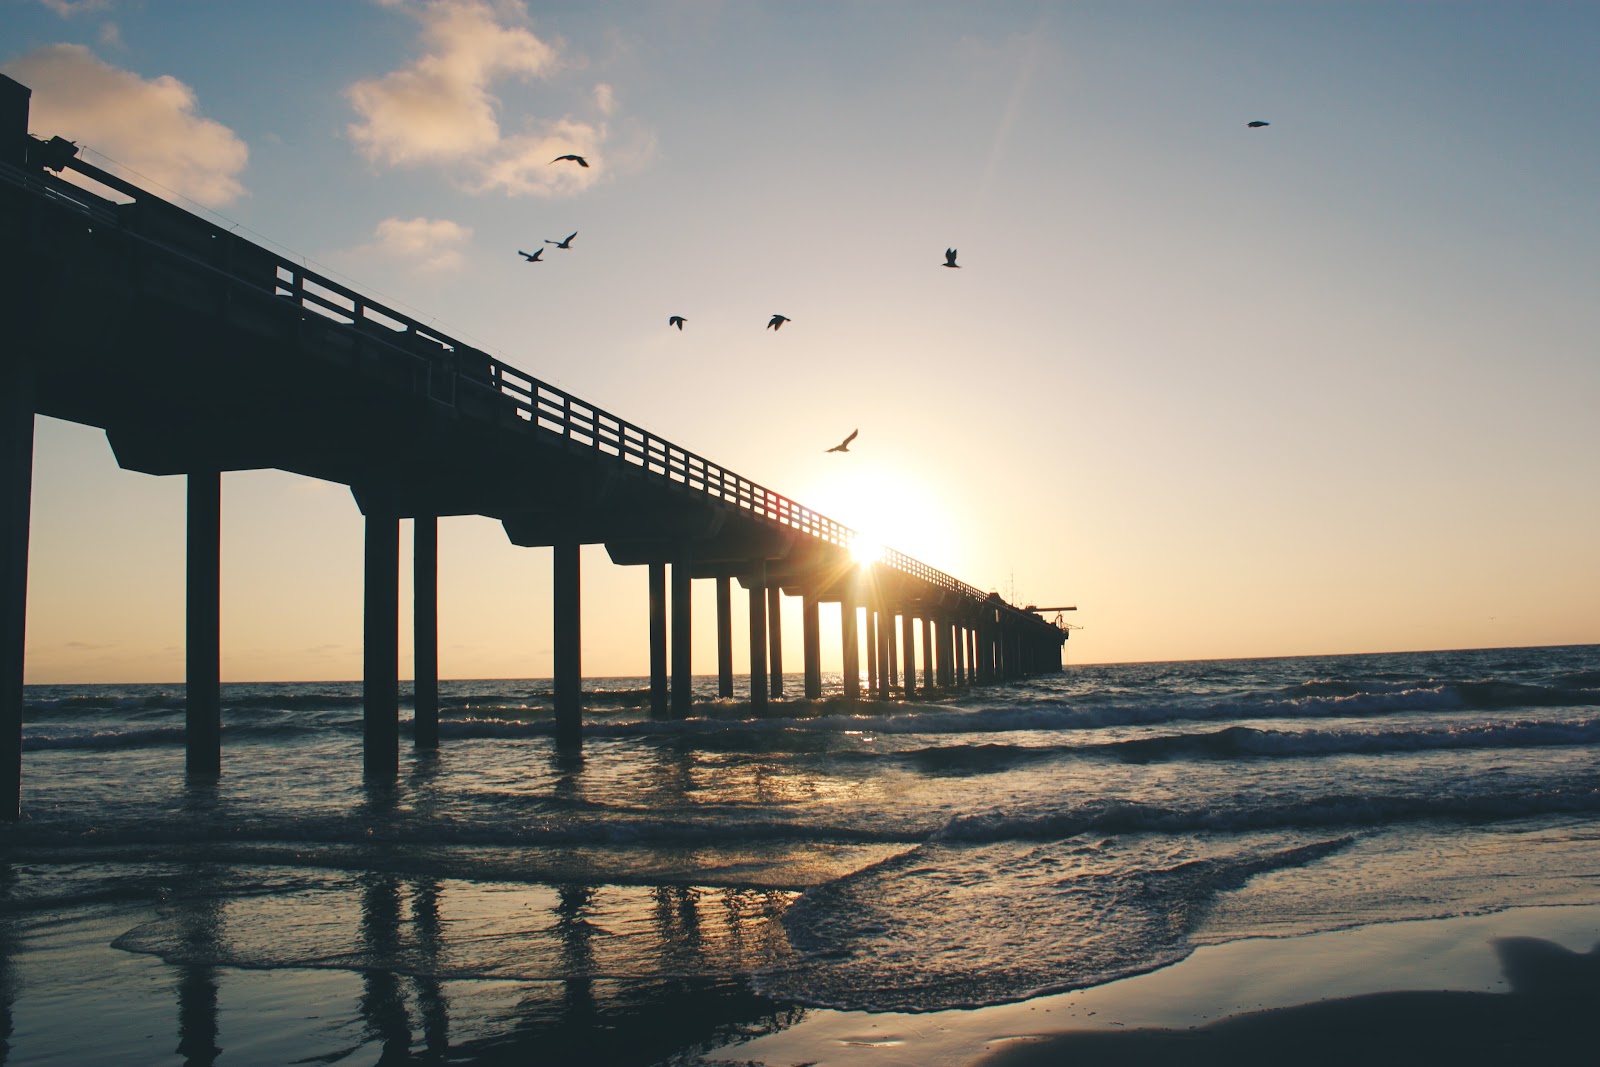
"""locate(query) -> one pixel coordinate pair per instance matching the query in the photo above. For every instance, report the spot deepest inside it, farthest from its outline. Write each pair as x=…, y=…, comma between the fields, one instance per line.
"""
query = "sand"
x=1514, y=987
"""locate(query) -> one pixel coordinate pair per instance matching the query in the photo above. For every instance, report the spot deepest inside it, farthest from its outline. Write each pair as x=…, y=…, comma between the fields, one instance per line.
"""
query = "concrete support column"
x=202, y=663
x=658, y=639
x=851, y=642
x=682, y=684
x=811, y=639
x=425, y=631
x=380, y=645
x=775, y=637
x=758, y=638
x=929, y=682
x=16, y=500
x=941, y=645
x=891, y=653
x=964, y=636
x=724, y=636
x=568, y=634
x=885, y=627
x=872, y=650
x=908, y=637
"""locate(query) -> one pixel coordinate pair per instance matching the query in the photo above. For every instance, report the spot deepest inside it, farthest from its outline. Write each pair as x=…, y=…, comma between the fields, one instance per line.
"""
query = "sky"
x=1323, y=386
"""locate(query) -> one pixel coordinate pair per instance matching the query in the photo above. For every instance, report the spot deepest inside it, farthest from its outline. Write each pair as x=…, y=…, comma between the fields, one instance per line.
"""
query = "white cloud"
x=150, y=125
x=427, y=244
x=69, y=8
x=439, y=108
x=525, y=163
x=111, y=35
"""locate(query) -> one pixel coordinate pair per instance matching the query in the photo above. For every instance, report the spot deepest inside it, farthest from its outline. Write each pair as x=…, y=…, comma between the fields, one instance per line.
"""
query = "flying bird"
x=844, y=446
x=579, y=160
x=950, y=258
x=676, y=320
x=1257, y=124
x=776, y=322
x=533, y=258
x=565, y=242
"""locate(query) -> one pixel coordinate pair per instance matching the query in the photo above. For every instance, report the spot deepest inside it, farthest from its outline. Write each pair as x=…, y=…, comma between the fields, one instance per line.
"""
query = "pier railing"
x=547, y=408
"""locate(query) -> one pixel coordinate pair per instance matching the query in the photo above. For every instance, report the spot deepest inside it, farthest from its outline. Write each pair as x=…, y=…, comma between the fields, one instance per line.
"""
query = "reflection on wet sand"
x=1547, y=1017
x=525, y=973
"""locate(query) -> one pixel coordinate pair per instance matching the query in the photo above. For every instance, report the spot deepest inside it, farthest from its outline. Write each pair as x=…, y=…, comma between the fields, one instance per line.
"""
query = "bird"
x=950, y=258
x=676, y=320
x=565, y=242
x=533, y=258
x=1257, y=124
x=776, y=322
x=844, y=446
x=579, y=160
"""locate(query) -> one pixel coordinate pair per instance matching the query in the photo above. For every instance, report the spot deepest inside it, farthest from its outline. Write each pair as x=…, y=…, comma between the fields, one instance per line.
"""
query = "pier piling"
x=425, y=631
x=568, y=641
x=380, y=644
x=202, y=692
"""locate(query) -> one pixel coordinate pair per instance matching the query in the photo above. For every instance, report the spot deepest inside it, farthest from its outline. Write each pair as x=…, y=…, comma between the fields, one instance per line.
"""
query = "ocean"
x=685, y=885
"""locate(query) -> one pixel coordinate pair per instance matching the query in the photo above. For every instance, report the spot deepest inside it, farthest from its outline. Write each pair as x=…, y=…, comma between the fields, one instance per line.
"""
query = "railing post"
x=568, y=641
x=425, y=631
x=202, y=690
x=658, y=639
x=758, y=636
x=16, y=499
x=724, y=636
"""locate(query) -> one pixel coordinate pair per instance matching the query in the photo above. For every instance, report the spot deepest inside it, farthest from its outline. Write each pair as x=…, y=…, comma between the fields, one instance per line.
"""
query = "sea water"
x=679, y=884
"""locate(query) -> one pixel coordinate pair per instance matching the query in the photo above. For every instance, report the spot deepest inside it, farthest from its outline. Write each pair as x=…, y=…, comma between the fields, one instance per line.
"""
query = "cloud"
x=440, y=109
x=151, y=126
x=429, y=244
x=68, y=8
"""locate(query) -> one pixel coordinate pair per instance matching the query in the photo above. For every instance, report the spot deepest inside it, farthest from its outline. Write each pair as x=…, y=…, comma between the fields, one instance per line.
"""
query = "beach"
x=1384, y=857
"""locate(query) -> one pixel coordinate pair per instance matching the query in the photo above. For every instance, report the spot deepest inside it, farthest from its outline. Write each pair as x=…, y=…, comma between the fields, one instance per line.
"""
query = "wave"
x=1350, y=810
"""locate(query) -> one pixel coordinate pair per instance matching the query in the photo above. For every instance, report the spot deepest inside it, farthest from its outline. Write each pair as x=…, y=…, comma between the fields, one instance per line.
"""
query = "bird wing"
x=852, y=436
x=570, y=236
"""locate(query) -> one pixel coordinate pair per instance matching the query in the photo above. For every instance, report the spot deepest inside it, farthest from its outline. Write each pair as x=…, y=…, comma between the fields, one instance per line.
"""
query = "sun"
x=888, y=509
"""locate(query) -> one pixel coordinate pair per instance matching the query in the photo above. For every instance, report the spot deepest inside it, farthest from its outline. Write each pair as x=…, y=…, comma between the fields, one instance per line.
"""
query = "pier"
x=199, y=352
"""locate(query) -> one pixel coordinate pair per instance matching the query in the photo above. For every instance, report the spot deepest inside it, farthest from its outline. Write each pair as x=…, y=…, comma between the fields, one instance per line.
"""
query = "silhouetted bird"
x=844, y=446
x=1257, y=124
x=676, y=320
x=533, y=258
x=776, y=322
x=950, y=258
x=579, y=160
x=565, y=242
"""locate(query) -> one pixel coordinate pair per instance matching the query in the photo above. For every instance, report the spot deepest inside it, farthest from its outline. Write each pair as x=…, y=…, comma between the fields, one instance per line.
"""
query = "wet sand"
x=1518, y=986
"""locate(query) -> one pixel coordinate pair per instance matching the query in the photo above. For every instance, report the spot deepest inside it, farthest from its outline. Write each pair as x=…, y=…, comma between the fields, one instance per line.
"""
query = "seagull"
x=579, y=160
x=533, y=258
x=844, y=446
x=676, y=320
x=1257, y=124
x=776, y=322
x=950, y=258
x=565, y=242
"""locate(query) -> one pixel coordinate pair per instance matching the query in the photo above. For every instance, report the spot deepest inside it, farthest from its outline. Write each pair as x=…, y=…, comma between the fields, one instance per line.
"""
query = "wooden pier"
x=199, y=352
